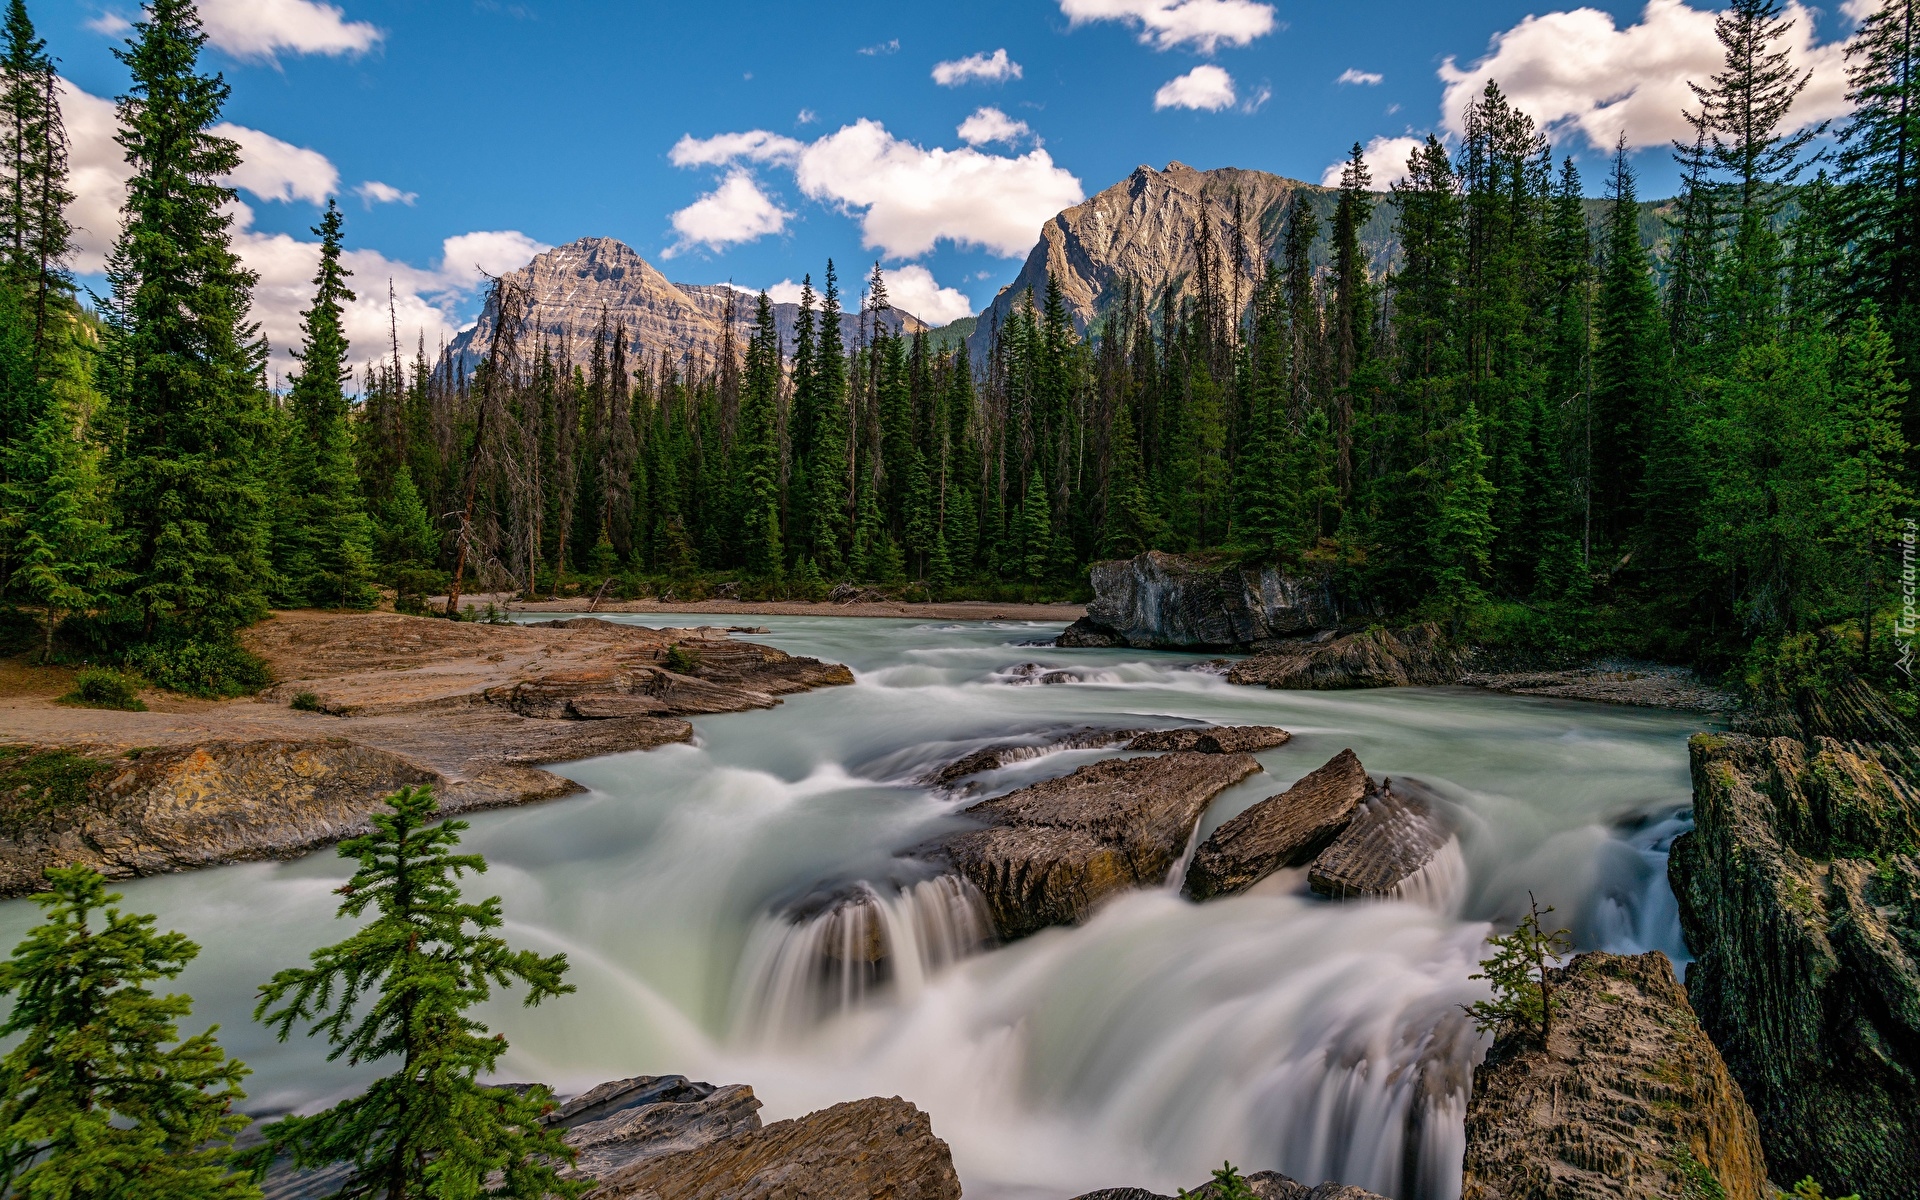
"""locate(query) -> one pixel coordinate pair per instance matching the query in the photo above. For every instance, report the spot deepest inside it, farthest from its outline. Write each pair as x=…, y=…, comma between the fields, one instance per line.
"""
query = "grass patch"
x=38, y=784
x=682, y=661
x=101, y=687
x=305, y=702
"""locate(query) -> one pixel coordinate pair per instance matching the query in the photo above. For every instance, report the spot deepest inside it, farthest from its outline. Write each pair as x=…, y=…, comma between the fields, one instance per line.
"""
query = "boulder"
x=1287, y=830
x=1420, y=656
x=992, y=758
x=1049, y=853
x=1799, y=895
x=875, y=1149
x=621, y=1123
x=1216, y=739
x=1160, y=600
x=1395, y=834
x=1268, y=1185
x=1631, y=1101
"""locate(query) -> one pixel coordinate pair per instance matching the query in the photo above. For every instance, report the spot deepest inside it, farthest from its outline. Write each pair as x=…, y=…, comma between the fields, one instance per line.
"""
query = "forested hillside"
x=1534, y=429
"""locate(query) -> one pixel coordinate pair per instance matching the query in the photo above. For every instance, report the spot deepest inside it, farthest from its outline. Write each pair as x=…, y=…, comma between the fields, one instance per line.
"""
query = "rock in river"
x=1267, y=1185
x=1419, y=656
x=1631, y=1103
x=1051, y=852
x=1163, y=600
x=1214, y=739
x=1396, y=845
x=1287, y=830
x=883, y=1149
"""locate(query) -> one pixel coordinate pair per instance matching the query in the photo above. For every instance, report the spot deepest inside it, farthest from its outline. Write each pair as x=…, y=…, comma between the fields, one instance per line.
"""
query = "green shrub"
x=1523, y=992
x=1227, y=1185
x=1807, y=1189
x=208, y=670
x=412, y=586
x=101, y=687
x=305, y=702
x=38, y=783
x=682, y=661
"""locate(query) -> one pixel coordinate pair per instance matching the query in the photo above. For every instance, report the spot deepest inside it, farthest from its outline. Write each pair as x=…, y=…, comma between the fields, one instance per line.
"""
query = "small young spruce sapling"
x=1520, y=971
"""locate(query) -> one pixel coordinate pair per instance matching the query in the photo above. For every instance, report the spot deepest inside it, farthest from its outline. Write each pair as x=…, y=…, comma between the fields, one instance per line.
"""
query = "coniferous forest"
x=1533, y=426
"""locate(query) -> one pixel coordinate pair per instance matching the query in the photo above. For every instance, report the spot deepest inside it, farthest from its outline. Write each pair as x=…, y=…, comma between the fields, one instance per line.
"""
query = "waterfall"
x=1441, y=884
x=799, y=970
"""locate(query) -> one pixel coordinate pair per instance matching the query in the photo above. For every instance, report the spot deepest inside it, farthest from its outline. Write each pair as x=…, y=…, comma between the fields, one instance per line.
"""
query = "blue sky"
x=520, y=125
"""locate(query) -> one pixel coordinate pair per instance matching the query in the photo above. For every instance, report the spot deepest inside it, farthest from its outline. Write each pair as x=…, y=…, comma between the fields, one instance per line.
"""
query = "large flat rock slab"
x=1051, y=852
x=1283, y=831
x=875, y=1149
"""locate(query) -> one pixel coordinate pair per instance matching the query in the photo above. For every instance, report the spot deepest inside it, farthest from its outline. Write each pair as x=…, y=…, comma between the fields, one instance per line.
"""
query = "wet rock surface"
x=1393, y=835
x=1799, y=895
x=1200, y=739
x=1214, y=739
x=1268, y=1185
x=1051, y=852
x=1160, y=600
x=1419, y=656
x=618, y=1124
x=1287, y=830
x=883, y=1149
x=1633, y=1102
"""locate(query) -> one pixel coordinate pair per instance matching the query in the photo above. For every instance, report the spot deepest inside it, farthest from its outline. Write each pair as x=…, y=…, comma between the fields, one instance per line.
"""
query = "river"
x=1143, y=1048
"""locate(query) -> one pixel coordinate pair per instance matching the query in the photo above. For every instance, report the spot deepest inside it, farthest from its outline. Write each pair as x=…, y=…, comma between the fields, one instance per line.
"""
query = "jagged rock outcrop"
x=570, y=287
x=1051, y=852
x=1396, y=834
x=1268, y=1185
x=1216, y=739
x=1166, y=601
x=1419, y=656
x=1799, y=894
x=624, y=1122
x=883, y=1149
x=1287, y=830
x=1632, y=1102
x=1143, y=231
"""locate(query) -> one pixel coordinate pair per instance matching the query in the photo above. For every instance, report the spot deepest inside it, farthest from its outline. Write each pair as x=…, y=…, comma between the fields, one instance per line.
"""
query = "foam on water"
x=724, y=906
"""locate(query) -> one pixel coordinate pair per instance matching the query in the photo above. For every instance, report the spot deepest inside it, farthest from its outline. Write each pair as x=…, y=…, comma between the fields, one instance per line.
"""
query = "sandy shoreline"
x=959, y=610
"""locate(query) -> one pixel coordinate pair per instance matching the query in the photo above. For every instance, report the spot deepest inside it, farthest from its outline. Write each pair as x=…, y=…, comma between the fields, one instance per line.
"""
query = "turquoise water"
x=1272, y=1028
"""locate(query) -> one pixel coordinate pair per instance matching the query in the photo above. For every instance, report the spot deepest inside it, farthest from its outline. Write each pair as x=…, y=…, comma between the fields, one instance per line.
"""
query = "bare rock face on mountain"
x=1631, y=1101
x=1051, y=852
x=1288, y=830
x=572, y=285
x=1161, y=600
x=1143, y=230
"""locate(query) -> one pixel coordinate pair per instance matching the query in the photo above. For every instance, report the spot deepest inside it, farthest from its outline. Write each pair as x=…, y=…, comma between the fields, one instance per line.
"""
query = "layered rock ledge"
x=471, y=709
x=1160, y=600
x=1203, y=739
x=1799, y=894
x=1283, y=831
x=1049, y=853
x=1268, y=1185
x=1632, y=1101
x=1418, y=656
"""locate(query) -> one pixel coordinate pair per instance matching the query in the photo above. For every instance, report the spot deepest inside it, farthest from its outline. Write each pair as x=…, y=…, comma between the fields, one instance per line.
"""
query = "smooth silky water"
x=1272, y=1029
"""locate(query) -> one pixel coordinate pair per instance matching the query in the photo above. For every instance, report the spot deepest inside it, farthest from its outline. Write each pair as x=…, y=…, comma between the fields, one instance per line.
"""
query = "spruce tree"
x=331, y=556
x=65, y=551
x=1036, y=530
x=195, y=422
x=398, y=990
x=406, y=535
x=757, y=447
x=1461, y=544
x=1865, y=490
x=100, y=1098
x=1352, y=315
x=1628, y=365
x=829, y=468
x=33, y=160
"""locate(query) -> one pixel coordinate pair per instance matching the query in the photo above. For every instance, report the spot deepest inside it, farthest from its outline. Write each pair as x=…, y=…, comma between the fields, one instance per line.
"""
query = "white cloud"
x=723, y=148
x=1579, y=71
x=989, y=125
x=807, y=117
x=1205, y=87
x=736, y=211
x=110, y=23
x=1165, y=24
x=976, y=68
x=913, y=289
x=908, y=197
x=257, y=29
x=1363, y=78
x=374, y=192
x=1386, y=159
x=427, y=301
x=1258, y=100
x=275, y=170
x=784, y=292
x=890, y=46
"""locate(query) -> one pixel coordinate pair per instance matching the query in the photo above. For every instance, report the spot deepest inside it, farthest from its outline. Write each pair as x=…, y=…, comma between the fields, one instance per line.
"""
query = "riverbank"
x=956, y=610
x=363, y=703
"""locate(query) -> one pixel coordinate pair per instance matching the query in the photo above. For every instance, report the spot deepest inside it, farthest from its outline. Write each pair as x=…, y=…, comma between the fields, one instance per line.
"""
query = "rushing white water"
x=737, y=910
